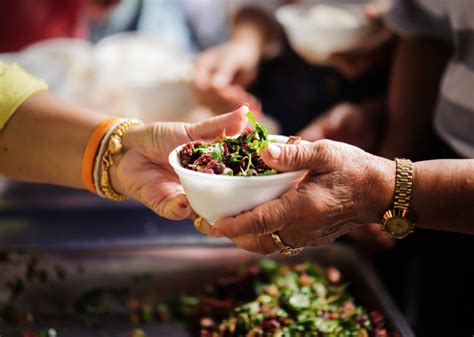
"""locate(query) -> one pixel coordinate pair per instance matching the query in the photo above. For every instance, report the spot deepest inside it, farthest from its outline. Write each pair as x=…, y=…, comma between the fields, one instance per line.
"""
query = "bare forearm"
x=443, y=195
x=414, y=86
x=45, y=139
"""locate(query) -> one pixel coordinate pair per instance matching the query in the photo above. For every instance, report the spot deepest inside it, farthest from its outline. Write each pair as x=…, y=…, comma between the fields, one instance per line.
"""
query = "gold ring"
x=198, y=224
x=284, y=248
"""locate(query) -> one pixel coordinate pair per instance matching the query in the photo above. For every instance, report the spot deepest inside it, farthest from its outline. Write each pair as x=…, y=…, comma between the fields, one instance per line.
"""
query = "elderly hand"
x=345, y=187
x=142, y=170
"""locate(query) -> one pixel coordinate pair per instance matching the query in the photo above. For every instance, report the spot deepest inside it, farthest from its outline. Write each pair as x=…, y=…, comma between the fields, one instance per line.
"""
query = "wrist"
x=132, y=140
x=381, y=188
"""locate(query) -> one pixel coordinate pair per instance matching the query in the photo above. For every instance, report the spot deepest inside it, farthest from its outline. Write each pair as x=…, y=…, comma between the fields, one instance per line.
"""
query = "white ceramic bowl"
x=315, y=39
x=214, y=197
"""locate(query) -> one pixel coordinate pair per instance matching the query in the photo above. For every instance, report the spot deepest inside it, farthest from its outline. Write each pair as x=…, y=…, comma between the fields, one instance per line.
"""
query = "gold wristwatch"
x=398, y=222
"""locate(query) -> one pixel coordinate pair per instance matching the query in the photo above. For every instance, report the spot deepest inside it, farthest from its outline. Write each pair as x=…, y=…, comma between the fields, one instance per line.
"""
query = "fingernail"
x=184, y=204
x=274, y=151
x=247, y=105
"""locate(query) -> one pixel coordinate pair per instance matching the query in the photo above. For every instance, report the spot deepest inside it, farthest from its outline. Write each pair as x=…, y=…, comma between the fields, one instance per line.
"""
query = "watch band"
x=397, y=222
x=403, y=183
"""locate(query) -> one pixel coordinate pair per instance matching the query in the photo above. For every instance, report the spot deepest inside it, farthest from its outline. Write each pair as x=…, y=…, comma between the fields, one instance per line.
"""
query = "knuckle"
x=294, y=155
x=322, y=147
x=260, y=224
x=158, y=208
x=322, y=151
x=190, y=130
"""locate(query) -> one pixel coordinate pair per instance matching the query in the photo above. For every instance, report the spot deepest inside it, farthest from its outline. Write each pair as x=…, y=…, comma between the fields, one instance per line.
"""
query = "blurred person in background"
x=23, y=22
x=184, y=24
x=257, y=57
x=187, y=25
x=306, y=99
x=430, y=115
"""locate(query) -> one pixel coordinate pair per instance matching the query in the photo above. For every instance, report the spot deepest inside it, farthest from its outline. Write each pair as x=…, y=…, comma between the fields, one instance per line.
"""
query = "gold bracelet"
x=114, y=146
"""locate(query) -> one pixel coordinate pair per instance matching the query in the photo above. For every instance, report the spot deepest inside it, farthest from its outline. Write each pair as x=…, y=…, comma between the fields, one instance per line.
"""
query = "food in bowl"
x=236, y=156
x=273, y=299
x=215, y=196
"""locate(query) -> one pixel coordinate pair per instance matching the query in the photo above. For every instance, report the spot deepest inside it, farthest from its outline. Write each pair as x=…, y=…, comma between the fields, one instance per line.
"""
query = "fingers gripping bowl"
x=216, y=196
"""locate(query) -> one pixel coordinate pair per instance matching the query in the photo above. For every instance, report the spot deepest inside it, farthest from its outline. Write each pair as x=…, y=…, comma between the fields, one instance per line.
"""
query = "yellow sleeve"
x=16, y=85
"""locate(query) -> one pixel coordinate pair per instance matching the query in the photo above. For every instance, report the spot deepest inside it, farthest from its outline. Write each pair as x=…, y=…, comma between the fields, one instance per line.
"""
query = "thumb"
x=232, y=122
x=289, y=157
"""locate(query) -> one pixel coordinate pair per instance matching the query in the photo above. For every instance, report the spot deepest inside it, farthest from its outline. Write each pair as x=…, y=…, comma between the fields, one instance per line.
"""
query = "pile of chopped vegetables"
x=268, y=299
x=230, y=156
x=298, y=301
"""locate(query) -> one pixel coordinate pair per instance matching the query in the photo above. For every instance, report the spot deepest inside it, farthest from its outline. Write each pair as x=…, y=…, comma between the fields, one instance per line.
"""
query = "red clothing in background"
x=23, y=22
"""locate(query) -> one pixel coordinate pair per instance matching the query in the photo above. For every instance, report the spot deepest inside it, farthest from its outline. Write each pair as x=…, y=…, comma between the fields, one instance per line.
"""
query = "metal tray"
x=171, y=270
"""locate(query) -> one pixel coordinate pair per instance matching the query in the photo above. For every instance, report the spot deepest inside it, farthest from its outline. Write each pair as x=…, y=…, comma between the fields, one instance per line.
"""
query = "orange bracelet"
x=91, y=151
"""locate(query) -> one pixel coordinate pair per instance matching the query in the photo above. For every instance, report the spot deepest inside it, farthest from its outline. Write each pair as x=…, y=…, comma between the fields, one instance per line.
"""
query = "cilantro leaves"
x=238, y=156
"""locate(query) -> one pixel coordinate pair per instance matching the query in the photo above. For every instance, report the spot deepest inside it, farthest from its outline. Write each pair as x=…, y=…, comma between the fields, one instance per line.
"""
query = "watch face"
x=398, y=226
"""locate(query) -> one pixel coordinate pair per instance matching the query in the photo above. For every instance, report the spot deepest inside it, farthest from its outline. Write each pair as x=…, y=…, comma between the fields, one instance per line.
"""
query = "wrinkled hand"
x=142, y=171
x=372, y=52
x=344, y=188
x=352, y=123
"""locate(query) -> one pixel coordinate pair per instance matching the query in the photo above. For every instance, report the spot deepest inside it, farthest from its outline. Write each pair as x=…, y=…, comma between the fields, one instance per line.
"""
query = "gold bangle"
x=114, y=146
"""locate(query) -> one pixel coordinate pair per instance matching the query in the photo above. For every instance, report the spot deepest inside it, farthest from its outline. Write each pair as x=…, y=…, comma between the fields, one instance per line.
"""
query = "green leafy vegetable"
x=230, y=156
x=288, y=301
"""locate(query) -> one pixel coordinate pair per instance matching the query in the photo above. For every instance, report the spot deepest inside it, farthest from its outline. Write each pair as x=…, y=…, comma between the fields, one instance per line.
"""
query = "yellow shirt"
x=16, y=85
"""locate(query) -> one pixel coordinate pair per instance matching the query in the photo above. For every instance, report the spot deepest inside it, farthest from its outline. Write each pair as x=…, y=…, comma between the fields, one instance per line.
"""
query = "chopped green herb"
x=230, y=156
x=285, y=301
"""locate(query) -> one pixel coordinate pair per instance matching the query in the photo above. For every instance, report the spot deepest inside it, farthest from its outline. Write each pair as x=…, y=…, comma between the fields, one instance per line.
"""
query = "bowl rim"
x=311, y=27
x=174, y=162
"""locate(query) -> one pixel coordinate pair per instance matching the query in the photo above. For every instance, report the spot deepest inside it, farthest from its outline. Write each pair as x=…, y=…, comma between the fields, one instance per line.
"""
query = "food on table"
x=282, y=301
x=268, y=299
x=231, y=156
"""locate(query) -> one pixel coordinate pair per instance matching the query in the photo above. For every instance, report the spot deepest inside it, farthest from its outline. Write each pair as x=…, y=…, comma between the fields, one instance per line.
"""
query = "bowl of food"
x=228, y=176
x=317, y=30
